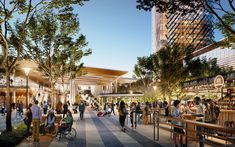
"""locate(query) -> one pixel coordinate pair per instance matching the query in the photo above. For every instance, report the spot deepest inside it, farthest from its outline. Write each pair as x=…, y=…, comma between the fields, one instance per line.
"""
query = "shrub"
x=10, y=139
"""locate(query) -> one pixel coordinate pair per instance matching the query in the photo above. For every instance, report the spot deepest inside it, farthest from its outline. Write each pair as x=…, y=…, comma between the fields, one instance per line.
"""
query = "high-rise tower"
x=193, y=30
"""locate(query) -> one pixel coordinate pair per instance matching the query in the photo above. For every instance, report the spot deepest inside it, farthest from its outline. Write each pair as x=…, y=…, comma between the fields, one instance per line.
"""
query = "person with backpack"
x=28, y=118
x=122, y=115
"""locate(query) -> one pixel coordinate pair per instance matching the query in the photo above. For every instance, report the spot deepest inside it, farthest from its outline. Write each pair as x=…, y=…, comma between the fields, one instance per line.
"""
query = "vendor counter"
x=226, y=115
x=191, y=127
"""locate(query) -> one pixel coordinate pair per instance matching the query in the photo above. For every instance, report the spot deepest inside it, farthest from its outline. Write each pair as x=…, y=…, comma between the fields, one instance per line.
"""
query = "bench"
x=58, y=118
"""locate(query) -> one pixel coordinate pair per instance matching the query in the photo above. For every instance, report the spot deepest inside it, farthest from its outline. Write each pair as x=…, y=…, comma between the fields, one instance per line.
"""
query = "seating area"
x=58, y=118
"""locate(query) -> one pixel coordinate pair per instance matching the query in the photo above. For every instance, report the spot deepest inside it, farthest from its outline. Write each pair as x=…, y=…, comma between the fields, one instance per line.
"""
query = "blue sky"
x=117, y=32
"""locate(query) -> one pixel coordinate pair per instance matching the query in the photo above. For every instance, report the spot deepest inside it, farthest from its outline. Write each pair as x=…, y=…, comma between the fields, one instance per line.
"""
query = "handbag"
x=124, y=111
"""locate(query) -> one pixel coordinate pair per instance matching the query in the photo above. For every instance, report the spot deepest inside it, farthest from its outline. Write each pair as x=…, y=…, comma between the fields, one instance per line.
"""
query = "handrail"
x=157, y=117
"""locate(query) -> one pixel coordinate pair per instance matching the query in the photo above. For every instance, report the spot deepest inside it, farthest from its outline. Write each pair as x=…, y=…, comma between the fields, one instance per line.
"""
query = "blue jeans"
x=81, y=114
x=200, y=136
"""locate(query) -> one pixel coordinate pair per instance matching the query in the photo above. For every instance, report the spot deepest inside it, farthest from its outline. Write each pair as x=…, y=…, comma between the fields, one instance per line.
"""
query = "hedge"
x=10, y=139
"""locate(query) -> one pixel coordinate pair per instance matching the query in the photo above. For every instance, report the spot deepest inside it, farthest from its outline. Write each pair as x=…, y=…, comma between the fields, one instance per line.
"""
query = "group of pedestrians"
x=134, y=112
x=179, y=133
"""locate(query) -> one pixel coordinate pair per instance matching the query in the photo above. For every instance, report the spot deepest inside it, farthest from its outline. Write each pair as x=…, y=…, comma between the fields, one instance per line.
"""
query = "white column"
x=111, y=87
x=116, y=86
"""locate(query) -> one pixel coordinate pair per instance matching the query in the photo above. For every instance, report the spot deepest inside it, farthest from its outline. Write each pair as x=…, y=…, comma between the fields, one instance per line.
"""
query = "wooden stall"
x=226, y=115
x=190, y=126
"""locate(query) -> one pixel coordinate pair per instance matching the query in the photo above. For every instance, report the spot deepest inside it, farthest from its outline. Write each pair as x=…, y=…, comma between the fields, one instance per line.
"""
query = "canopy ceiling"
x=91, y=76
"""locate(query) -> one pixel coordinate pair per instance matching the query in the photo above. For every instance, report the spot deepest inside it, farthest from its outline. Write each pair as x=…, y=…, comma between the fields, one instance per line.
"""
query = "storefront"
x=221, y=89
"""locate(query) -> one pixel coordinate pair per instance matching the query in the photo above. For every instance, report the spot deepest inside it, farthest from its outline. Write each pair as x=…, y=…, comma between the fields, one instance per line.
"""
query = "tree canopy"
x=20, y=12
x=168, y=68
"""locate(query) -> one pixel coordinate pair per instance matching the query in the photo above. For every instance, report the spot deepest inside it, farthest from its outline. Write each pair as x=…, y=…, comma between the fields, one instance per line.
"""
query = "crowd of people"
x=34, y=116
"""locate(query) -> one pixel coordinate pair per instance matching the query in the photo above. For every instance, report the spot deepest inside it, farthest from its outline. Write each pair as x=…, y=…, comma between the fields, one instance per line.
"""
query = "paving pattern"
x=95, y=131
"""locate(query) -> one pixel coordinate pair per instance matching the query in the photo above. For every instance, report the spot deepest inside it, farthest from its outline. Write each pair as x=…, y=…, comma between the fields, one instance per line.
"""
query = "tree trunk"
x=8, y=102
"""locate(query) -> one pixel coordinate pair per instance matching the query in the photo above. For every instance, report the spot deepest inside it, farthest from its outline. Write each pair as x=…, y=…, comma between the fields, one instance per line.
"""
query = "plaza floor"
x=95, y=131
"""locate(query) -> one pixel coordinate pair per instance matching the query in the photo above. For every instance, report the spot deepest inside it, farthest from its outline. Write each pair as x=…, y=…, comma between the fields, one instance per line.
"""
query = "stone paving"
x=95, y=131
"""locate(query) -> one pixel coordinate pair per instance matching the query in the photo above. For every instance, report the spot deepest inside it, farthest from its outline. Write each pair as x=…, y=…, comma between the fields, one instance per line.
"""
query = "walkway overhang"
x=121, y=95
x=99, y=76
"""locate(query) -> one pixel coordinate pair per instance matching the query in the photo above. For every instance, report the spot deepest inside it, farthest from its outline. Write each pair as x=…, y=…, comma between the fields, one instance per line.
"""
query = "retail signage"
x=219, y=81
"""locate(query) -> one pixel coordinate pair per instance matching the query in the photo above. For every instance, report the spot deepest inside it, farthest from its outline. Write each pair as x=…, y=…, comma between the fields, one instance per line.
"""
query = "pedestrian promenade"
x=95, y=131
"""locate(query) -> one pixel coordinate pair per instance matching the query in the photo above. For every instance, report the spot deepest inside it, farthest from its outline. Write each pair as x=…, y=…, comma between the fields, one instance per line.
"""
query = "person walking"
x=112, y=108
x=21, y=109
x=37, y=118
x=28, y=118
x=3, y=108
x=81, y=109
x=138, y=113
x=65, y=109
x=133, y=115
x=45, y=107
x=122, y=115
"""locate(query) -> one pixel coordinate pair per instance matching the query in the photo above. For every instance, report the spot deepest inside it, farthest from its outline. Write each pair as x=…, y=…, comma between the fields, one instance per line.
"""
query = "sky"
x=117, y=32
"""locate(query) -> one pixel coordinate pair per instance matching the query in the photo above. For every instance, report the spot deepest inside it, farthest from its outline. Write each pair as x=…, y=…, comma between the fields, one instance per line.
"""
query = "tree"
x=54, y=43
x=170, y=70
x=143, y=70
x=229, y=37
x=199, y=68
x=171, y=66
x=214, y=7
x=24, y=10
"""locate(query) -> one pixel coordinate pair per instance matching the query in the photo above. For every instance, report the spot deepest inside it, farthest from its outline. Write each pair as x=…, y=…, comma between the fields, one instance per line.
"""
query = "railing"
x=223, y=133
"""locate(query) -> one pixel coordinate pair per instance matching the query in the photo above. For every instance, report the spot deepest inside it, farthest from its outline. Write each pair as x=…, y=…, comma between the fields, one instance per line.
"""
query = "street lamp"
x=26, y=71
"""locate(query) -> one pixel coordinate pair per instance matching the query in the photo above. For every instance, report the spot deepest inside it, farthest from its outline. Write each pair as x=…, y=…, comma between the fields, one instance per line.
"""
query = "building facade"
x=194, y=30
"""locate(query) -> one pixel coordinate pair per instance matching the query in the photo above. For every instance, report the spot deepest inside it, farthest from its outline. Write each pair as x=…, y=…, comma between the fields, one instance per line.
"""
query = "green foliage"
x=199, y=68
x=54, y=42
x=220, y=9
x=167, y=69
x=229, y=37
x=10, y=139
x=144, y=70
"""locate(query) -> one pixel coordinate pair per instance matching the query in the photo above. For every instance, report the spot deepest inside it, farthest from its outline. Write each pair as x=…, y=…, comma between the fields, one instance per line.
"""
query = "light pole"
x=26, y=71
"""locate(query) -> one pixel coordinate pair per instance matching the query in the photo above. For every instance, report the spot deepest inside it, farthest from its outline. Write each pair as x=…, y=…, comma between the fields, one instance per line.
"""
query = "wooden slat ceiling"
x=92, y=76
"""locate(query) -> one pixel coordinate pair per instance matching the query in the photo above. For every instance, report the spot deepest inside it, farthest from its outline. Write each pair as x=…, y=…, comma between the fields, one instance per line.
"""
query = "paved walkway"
x=95, y=131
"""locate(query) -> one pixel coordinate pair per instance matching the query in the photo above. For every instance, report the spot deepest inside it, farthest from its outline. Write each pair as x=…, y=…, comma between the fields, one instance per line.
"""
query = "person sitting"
x=66, y=122
x=50, y=121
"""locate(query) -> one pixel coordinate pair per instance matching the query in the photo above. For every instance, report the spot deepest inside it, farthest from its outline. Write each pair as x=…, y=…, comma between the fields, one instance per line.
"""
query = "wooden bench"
x=58, y=118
